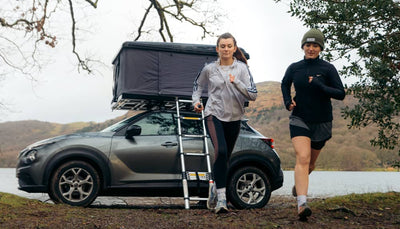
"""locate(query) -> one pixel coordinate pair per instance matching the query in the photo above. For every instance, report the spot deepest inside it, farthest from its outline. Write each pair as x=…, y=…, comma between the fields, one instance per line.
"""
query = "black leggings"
x=223, y=136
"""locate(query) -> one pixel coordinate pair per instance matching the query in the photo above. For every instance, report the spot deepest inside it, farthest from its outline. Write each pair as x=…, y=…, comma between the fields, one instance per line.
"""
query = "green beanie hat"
x=313, y=36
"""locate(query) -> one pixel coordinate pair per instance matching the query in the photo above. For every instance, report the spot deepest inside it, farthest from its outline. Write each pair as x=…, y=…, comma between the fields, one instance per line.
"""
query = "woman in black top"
x=315, y=82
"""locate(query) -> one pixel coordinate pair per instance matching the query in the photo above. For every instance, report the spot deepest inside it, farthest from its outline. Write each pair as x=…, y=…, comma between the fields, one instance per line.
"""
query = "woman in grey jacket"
x=229, y=84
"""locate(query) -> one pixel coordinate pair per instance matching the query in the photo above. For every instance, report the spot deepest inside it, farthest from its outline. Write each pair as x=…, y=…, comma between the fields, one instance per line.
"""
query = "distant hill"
x=347, y=150
x=15, y=136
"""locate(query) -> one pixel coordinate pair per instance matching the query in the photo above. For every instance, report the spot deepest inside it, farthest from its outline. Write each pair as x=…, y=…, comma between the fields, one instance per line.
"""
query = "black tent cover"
x=159, y=70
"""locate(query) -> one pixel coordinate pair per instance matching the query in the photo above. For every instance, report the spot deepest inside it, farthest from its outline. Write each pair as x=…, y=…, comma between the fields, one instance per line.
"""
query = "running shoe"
x=212, y=197
x=304, y=212
x=221, y=207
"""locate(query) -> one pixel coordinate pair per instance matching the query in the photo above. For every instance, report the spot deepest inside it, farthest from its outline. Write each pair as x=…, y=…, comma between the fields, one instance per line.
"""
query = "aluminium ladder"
x=191, y=176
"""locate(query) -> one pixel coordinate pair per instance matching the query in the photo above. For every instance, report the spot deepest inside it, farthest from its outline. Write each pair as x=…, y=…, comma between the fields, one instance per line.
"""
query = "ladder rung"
x=195, y=154
x=185, y=101
x=197, y=198
x=191, y=118
x=193, y=136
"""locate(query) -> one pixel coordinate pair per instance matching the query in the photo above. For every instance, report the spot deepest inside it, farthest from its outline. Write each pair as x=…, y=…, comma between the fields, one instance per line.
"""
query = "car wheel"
x=53, y=197
x=249, y=187
x=75, y=183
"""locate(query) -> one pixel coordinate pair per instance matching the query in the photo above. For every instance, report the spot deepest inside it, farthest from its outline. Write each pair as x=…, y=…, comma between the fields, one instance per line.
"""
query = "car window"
x=157, y=124
x=189, y=126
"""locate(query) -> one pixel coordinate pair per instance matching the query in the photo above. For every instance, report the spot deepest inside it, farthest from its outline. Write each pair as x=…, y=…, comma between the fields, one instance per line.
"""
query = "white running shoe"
x=221, y=207
x=212, y=197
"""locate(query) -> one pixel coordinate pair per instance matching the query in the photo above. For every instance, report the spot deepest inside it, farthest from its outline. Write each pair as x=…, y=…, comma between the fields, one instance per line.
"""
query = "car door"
x=151, y=156
x=193, y=127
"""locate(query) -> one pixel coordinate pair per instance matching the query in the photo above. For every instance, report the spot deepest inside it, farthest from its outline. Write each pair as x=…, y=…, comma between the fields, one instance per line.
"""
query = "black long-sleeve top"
x=313, y=100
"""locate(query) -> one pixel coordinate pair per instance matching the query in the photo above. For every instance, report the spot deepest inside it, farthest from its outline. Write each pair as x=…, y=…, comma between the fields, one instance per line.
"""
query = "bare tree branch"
x=31, y=23
x=82, y=64
x=94, y=4
x=161, y=16
x=175, y=11
x=143, y=20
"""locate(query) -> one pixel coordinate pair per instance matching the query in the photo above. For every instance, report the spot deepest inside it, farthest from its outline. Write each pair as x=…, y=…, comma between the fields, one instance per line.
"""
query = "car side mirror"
x=133, y=130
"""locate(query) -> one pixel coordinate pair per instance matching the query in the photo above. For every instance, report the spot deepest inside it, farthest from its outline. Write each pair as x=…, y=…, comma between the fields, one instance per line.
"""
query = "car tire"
x=53, y=197
x=249, y=187
x=75, y=183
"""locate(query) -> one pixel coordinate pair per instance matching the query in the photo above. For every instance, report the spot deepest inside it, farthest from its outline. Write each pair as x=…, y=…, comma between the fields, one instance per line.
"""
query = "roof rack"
x=140, y=102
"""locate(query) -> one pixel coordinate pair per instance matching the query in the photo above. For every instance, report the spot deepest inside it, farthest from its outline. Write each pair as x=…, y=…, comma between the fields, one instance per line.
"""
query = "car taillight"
x=269, y=141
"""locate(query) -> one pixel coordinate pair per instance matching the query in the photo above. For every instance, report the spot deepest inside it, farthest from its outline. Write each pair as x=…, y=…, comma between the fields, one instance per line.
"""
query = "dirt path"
x=352, y=211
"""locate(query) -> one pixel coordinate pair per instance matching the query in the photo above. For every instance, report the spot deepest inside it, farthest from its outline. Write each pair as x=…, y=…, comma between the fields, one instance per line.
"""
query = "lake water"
x=322, y=184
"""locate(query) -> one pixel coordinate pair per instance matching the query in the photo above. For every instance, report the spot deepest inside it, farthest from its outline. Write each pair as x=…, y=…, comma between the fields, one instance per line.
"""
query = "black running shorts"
x=319, y=133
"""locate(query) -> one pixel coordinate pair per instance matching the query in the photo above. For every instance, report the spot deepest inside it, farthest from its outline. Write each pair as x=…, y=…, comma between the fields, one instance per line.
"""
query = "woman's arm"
x=246, y=85
x=286, y=85
x=334, y=89
x=198, y=85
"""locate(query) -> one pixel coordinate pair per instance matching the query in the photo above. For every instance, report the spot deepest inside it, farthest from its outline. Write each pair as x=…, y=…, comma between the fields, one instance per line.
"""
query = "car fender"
x=253, y=158
x=96, y=159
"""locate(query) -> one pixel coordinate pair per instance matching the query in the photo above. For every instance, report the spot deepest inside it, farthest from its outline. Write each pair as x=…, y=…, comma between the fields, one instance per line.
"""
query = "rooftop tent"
x=157, y=71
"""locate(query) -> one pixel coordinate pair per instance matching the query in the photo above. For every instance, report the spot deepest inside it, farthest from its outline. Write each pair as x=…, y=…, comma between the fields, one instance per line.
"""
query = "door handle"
x=166, y=144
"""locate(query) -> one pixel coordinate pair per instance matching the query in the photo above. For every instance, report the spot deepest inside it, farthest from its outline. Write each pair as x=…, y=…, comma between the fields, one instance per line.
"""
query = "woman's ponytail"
x=240, y=56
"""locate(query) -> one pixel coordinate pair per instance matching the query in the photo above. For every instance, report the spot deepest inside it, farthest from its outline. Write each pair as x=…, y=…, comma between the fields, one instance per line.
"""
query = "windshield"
x=117, y=126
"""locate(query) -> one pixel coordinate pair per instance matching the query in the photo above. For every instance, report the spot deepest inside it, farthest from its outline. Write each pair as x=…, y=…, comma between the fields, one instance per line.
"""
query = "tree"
x=180, y=11
x=28, y=27
x=367, y=35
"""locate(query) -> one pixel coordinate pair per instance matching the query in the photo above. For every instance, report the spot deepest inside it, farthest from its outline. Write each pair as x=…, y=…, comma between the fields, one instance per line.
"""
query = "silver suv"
x=139, y=156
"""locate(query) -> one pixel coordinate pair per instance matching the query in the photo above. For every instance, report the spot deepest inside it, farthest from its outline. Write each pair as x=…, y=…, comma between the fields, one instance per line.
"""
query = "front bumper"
x=26, y=181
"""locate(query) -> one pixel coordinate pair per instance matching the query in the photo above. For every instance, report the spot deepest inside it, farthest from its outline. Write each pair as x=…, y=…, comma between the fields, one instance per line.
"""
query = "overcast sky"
x=62, y=95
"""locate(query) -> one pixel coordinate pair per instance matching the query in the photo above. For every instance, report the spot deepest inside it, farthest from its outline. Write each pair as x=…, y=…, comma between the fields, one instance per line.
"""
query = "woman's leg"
x=302, y=146
x=313, y=160
x=215, y=130
x=231, y=132
x=314, y=157
x=223, y=136
x=316, y=148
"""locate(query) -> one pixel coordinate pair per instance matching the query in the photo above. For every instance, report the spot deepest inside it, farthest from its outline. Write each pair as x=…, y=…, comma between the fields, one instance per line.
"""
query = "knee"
x=303, y=159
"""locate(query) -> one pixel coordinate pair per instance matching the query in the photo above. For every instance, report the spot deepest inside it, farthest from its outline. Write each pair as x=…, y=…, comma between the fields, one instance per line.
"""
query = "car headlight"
x=30, y=157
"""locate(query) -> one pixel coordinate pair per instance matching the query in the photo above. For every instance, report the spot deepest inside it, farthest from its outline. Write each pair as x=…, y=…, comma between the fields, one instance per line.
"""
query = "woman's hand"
x=231, y=78
x=198, y=107
x=292, y=105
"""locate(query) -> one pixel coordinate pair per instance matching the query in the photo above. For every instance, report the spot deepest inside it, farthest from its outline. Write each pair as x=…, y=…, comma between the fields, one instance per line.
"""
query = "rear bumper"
x=277, y=182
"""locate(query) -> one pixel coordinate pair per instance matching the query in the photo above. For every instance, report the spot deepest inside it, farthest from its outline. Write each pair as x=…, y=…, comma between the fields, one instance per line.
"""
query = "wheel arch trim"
x=98, y=160
x=252, y=159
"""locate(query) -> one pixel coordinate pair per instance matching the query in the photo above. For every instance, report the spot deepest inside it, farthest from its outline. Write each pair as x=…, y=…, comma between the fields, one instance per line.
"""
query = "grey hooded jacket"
x=225, y=99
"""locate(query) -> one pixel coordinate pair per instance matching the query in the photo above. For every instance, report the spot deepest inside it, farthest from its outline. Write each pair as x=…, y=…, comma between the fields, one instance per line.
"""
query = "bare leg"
x=314, y=157
x=302, y=146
